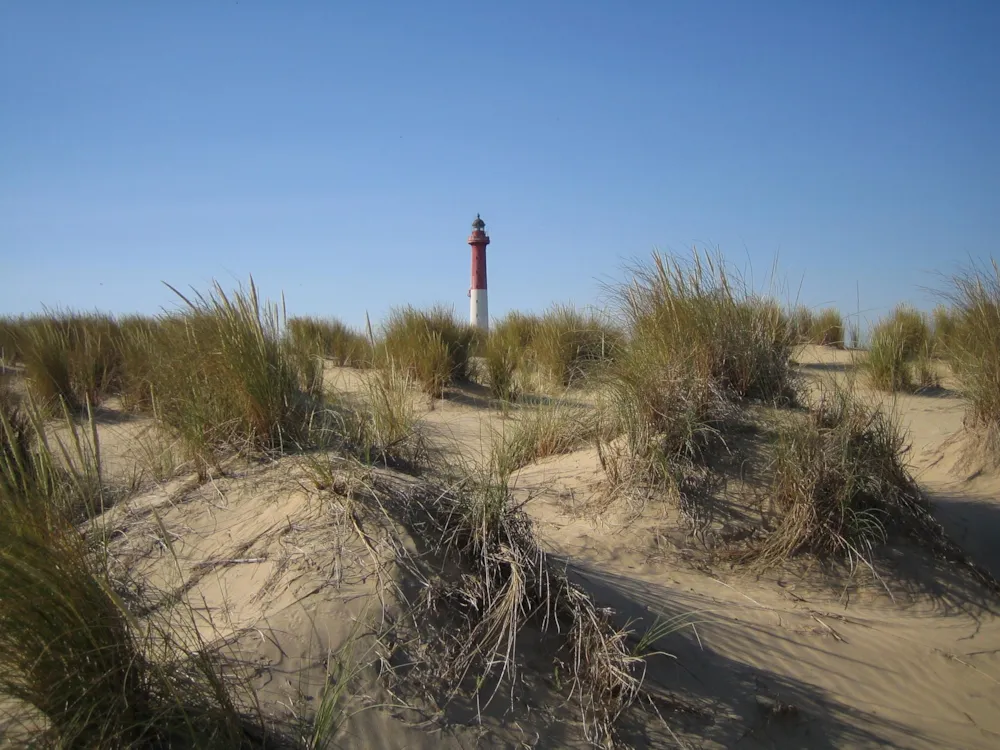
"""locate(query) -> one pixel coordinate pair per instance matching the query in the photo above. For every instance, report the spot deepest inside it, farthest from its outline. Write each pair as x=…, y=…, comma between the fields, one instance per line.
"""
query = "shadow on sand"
x=736, y=704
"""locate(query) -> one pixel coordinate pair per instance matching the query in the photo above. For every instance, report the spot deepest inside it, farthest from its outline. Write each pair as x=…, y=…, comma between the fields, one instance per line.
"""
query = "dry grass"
x=839, y=487
x=538, y=432
x=974, y=350
x=472, y=619
x=827, y=328
x=332, y=339
x=659, y=422
x=569, y=345
x=431, y=346
x=839, y=483
x=379, y=428
x=223, y=379
x=899, y=357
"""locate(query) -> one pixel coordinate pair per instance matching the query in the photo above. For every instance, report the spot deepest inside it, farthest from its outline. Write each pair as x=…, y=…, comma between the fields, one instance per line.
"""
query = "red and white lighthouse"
x=478, y=309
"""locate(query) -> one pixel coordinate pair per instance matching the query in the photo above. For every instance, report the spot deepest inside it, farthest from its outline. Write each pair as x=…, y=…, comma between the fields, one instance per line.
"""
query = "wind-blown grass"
x=71, y=359
x=800, y=323
x=839, y=487
x=517, y=328
x=944, y=331
x=11, y=337
x=701, y=313
x=699, y=343
x=504, y=357
x=538, y=432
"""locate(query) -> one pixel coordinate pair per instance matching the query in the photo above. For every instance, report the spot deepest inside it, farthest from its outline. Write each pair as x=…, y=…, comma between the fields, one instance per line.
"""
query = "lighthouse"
x=478, y=310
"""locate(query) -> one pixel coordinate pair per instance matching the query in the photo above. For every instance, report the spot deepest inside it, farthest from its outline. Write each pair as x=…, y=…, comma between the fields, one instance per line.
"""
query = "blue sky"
x=339, y=151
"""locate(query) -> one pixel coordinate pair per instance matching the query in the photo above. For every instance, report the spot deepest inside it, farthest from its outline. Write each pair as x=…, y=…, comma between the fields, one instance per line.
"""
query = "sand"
x=796, y=658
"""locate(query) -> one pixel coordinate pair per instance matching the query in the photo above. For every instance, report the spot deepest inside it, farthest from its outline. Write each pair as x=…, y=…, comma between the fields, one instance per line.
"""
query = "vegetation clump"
x=839, y=483
x=431, y=346
x=699, y=344
x=71, y=359
x=899, y=357
x=974, y=349
x=701, y=315
x=332, y=339
x=223, y=378
x=569, y=345
x=827, y=328
x=504, y=357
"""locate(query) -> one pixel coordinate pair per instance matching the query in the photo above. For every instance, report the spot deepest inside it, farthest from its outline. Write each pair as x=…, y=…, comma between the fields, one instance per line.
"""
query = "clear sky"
x=339, y=151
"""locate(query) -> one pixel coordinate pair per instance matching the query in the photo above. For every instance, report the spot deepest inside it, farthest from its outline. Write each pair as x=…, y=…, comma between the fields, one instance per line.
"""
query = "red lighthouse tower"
x=478, y=308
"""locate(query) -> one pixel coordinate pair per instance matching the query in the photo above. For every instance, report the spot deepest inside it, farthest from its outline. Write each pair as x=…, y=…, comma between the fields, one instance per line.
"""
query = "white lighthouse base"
x=478, y=311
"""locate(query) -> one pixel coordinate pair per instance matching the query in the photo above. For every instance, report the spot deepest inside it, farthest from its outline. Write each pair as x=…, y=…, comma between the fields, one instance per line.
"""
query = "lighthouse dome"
x=478, y=224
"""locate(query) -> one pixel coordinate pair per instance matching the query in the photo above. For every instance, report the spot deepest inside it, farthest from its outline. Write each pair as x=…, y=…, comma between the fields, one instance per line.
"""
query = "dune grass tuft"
x=975, y=349
x=507, y=356
x=502, y=365
x=944, y=330
x=899, y=357
x=800, y=323
x=71, y=359
x=840, y=487
x=223, y=378
x=517, y=328
x=508, y=583
x=381, y=427
x=570, y=345
x=332, y=339
x=538, y=432
x=839, y=483
x=703, y=314
x=700, y=343
x=431, y=346
x=12, y=330
x=828, y=328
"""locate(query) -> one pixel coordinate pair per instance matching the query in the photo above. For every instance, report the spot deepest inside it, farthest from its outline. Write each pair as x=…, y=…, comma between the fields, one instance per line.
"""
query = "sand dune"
x=800, y=657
